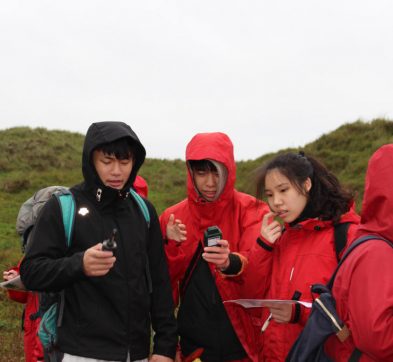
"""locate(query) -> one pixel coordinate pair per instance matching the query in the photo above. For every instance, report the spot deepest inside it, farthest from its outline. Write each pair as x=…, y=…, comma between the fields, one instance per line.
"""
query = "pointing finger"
x=171, y=219
x=268, y=218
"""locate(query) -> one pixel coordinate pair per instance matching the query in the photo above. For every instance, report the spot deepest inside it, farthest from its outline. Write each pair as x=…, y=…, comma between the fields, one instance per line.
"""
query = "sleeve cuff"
x=235, y=265
x=296, y=311
x=264, y=245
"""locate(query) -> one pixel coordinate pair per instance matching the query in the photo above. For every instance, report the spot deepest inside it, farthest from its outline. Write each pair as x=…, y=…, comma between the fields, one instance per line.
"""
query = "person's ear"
x=307, y=185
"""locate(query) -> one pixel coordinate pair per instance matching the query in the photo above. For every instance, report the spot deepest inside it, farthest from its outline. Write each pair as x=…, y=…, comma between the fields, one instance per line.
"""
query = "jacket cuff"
x=296, y=312
x=262, y=243
x=235, y=265
x=237, y=262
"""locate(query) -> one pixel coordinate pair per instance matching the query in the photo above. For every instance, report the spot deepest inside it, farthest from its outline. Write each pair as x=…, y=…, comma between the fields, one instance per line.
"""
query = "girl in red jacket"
x=309, y=200
x=32, y=345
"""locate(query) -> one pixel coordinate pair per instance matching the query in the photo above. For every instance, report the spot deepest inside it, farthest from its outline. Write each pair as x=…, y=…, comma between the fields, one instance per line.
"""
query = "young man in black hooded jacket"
x=109, y=306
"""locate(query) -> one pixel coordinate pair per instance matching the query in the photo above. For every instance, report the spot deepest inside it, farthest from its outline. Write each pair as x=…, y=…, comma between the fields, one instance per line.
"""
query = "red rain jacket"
x=239, y=217
x=304, y=255
x=363, y=287
x=32, y=345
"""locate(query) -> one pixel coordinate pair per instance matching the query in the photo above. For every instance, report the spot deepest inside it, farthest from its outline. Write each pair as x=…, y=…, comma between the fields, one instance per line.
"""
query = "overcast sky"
x=271, y=74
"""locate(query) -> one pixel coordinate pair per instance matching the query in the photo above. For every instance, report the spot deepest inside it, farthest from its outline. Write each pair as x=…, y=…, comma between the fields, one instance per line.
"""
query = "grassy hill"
x=33, y=158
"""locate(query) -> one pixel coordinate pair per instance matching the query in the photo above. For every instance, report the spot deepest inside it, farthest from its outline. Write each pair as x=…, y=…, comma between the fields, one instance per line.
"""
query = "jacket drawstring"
x=99, y=194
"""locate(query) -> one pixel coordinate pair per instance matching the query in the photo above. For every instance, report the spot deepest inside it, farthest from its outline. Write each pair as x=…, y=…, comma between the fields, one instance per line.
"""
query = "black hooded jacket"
x=105, y=317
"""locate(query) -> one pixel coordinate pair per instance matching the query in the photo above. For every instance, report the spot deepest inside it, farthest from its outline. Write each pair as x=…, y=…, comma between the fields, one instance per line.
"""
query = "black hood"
x=105, y=132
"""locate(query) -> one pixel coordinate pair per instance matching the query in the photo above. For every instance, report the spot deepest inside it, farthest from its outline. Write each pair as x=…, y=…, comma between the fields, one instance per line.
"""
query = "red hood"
x=213, y=146
x=377, y=207
x=140, y=186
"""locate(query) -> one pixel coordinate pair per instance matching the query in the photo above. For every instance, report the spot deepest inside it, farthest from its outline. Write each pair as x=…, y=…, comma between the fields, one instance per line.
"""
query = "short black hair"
x=202, y=165
x=122, y=148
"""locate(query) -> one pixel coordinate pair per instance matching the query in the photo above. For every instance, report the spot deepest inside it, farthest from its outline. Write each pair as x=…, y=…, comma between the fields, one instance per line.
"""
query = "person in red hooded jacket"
x=363, y=288
x=292, y=256
x=223, y=332
x=32, y=345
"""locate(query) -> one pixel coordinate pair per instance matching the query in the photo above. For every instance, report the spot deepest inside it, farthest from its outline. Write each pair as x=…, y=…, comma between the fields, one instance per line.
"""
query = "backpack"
x=324, y=320
x=52, y=304
x=30, y=209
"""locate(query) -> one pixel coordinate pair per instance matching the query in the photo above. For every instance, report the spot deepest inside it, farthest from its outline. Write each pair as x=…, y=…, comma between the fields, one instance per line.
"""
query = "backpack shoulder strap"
x=340, y=237
x=145, y=211
x=67, y=206
x=142, y=206
x=355, y=244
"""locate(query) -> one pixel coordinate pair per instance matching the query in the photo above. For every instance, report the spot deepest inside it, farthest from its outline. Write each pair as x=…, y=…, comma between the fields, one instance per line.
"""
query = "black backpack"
x=324, y=320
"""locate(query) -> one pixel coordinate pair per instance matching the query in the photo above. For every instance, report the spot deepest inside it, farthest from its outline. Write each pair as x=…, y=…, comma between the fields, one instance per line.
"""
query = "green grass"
x=34, y=158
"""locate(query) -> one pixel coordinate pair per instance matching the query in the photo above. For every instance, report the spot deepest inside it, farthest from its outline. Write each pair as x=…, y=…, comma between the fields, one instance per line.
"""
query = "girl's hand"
x=175, y=230
x=218, y=255
x=270, y=230
x=10, y=274
x=281, y=313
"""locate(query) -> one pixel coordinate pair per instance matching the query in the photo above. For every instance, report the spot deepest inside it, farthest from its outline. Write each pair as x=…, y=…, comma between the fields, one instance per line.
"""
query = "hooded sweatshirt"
x=203, y=321
x=109, y=316
x=363, y=288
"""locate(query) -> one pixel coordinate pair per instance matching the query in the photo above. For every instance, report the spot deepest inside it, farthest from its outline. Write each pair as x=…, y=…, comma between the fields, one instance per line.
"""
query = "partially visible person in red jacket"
x=363, y=288
x=310, y=201
x=32, y=345
x=221, y=332
x=140, y=186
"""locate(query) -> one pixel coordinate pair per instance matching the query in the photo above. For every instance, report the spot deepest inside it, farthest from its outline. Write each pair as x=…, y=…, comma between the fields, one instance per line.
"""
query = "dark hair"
x=327, y=197
x=122, y=148
x=202, y=165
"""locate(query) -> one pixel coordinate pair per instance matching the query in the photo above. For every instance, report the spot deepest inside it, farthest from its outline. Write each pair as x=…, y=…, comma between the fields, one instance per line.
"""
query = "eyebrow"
x=278, y=186
x=109, y=156
x=283, y=184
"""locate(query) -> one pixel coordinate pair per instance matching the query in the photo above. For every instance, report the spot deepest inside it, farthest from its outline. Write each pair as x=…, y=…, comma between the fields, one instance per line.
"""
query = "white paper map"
x=257, y=303
x=15, y=283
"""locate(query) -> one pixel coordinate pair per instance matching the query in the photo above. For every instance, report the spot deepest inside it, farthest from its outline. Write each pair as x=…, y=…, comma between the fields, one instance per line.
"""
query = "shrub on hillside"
x=14, y=185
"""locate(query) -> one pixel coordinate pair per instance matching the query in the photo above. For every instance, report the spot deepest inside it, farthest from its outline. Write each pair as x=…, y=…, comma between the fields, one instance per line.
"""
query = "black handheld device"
x=110, y=244
x=211, y=235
